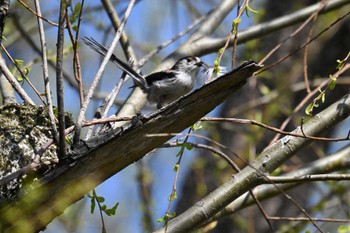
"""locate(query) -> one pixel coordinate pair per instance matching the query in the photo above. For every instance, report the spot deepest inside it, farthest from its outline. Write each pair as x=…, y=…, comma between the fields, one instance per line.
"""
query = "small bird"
x=161, y=87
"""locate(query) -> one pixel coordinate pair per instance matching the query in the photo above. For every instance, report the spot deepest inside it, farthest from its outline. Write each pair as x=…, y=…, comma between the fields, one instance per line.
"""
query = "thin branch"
x=308, y=97
x=209, y=148
x=36, y=14
x=213, y=20
x=107, y=120
x=147, y=57
x=71, y=81
x=267, y=67
x=227, y=159
x=277, y=130
x=273, y=94
x=124, y=40
x=145, y=192
x=46, y=71
x=107, y=104
x=100, y=71
x=22, y=74
x=295, y=32
x=240, y=10
x=259, y=172
x=173, y=194
x=330, y=163
x=76, y=60
x=94, y=194
x=307, y=219
x=306, y=178
x=59, y=80
x=21, y=92
x=315, y=16
x=208, y=45
x=268, y=161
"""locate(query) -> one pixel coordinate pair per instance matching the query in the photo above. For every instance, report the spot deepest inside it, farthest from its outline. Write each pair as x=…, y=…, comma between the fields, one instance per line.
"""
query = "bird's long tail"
x=99, y=48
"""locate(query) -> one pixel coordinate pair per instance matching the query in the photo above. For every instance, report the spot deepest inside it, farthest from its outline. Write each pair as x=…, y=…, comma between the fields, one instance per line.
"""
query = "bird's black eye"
x=188, y=59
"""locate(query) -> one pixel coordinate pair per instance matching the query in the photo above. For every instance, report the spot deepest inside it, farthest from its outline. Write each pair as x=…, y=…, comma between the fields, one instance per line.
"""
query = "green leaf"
x=75, y=13
x=235, y=23
x=77, y=8
x=182, y=148
x=20, y=79
x=217, y=63
x=18, y=62
x=332, y=78
x=176, y=167
x=75, y=27
x=248, y=8
x=333, y=82
x=26, y=70
x=93, y=205
x=171, y=215
x=68, y=140
x=309, y=108
x=323, y=97
x=111, y=211
x=103, y=207
x=196, y=126
x=172, y=196
x=340, y=64
x=188, y=146
x=163, y=219
x=332, y=85
x=100, y=199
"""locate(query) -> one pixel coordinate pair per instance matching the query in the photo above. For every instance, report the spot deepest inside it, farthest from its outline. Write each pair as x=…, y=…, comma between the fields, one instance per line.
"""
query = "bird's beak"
x=201, y=63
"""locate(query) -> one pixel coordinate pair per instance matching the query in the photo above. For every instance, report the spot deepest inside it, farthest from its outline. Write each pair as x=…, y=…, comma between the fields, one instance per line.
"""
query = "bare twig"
x=147, y=57
x=46, y=71
x=59, y=80
x=94, y=194
x=76, y=61
x=330, y=163
x=209, y=148
x=308, y=97
x=173, y=194
x=106, y=106
x=100, y=71
x=306, y=178
x=267, y=67
x=307, y=219
x=253, y=122
x=207, y=45
x=37, y=15
x=5, y=70
x=314, y=15
x=250, y=166
x=124, y=40
x=22, y=74
x=71, y=81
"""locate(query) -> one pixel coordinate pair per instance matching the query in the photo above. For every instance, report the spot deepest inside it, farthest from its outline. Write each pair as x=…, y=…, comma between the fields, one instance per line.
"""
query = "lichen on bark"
x=24, y=129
